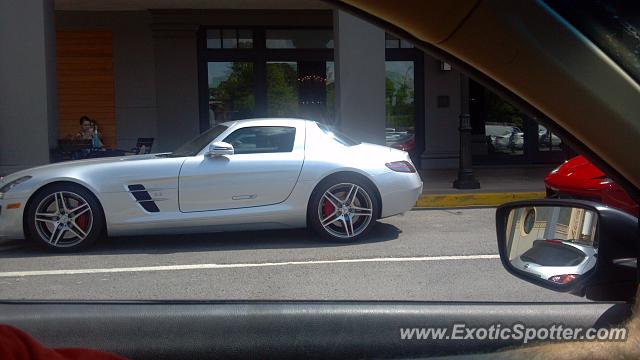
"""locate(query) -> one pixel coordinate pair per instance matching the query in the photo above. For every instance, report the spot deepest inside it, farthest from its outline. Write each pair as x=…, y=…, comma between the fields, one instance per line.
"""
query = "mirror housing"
x=613, y=277
x=220, y=148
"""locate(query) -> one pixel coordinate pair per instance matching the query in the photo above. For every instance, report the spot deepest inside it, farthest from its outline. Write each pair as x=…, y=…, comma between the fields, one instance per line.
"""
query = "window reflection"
x=231, y=95
x=282, y=89
x=400, y=105
x=303, y=89
x=548, y=141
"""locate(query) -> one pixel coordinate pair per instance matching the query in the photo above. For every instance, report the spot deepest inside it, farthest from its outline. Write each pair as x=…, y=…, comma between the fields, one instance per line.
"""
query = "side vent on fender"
x=143, y=198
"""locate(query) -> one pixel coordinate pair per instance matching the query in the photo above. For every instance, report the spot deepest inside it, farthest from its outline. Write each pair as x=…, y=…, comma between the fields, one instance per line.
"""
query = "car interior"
x=524, y=51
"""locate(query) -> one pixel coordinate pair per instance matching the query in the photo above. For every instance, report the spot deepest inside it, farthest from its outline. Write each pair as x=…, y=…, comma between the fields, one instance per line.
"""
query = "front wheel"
x=343, y=208
x=65, y=217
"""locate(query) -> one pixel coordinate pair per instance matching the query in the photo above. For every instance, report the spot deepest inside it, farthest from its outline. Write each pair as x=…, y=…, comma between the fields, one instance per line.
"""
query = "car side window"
x=262, y=139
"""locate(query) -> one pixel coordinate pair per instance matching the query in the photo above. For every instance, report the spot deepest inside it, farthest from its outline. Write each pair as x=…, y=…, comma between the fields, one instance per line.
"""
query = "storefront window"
x=503, y=127
x=400, y=105
x=504, y=134
x=548, y=141
x=284, y=73
x=330, y=89
x=229, y=38
x=230, y=91
x=300, y=89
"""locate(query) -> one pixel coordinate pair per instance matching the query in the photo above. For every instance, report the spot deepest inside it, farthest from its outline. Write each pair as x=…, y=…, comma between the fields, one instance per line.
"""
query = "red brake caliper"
x=83, y=221
x=327, y=208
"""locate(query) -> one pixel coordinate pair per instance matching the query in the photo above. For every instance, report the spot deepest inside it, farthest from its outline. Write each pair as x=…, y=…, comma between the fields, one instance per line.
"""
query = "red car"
x=408, y=144
x=578, y=178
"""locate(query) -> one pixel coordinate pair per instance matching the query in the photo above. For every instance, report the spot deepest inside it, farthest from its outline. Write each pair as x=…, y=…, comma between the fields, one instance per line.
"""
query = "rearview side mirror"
x=573, y=246
x=220, y=148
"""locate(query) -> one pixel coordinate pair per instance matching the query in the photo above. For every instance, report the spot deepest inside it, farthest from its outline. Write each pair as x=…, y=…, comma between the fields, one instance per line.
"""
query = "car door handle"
x=244, y=197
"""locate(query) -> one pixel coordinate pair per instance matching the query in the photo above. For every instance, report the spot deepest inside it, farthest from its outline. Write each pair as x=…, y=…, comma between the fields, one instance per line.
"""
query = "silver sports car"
x=240, y=175
x=558, y=261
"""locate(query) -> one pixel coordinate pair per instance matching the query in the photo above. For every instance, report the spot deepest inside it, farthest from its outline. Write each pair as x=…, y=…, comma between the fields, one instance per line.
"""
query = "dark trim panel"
x=285, y=329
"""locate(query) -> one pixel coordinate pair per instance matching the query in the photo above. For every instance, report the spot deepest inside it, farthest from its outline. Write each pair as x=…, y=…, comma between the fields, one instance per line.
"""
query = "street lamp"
x=465, y=179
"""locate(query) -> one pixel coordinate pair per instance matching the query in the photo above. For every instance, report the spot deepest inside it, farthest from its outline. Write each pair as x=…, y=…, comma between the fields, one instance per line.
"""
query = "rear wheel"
x=343, y=208
x=65, y=217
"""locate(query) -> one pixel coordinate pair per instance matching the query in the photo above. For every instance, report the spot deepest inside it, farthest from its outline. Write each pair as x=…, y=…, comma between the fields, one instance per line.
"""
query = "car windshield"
x=195, y=145
x=613, y=25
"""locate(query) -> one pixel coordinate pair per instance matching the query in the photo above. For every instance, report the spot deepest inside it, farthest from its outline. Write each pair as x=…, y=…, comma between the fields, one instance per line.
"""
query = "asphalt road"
x=438, y=255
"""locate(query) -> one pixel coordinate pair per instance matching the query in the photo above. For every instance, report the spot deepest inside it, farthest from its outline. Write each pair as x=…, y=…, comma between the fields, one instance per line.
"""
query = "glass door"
x=400, y=104
x=301, y=89
x=404, y=97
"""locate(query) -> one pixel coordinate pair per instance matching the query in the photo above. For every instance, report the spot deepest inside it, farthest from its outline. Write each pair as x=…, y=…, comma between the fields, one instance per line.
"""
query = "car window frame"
x=225, y=136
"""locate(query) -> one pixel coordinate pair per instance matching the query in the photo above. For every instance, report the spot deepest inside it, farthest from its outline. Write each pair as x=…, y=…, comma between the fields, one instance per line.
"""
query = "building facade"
x=168, y=70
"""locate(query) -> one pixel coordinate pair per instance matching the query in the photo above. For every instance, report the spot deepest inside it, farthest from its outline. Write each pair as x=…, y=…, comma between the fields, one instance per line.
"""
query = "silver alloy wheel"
x=345, y=210
x=63, y=219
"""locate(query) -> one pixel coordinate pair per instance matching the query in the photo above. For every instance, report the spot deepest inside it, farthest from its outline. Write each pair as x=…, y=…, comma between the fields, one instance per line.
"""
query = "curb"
x=428, y=201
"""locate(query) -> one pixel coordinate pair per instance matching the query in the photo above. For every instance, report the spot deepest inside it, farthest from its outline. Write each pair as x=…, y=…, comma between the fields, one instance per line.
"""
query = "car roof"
x=524, y=51
x=266, y=122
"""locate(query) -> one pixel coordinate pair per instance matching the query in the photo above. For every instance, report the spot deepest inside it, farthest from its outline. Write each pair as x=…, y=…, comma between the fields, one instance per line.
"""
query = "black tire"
x=340, y=184
x=58, y=228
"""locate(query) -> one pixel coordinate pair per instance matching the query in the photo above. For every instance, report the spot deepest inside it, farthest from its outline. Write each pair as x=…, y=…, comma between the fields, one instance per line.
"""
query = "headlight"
x=8, y=186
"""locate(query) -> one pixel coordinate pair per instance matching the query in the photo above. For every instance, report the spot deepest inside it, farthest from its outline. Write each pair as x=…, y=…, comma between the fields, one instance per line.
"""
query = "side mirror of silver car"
x=220, y=148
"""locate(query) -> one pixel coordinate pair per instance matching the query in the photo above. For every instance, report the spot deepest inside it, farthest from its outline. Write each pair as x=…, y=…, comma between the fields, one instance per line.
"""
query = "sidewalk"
x=498, y=184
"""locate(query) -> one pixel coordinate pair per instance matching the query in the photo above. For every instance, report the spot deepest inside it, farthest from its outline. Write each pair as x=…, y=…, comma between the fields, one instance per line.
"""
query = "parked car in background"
x=548, y=139
x=401, y=140
x=406, y=143
x=503, y=137
x=578, y=178
x=516, y=141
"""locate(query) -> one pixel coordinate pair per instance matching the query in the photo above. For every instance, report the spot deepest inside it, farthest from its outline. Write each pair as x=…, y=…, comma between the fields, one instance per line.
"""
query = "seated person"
x=87, y=129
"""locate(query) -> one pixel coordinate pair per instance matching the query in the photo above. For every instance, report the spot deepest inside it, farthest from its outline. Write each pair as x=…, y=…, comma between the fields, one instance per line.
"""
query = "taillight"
x=401, y=166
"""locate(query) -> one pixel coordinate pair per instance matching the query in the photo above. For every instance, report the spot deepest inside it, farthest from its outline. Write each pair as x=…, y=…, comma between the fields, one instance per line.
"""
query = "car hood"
x=67, y=165
x=576, y=173
x=578, y=168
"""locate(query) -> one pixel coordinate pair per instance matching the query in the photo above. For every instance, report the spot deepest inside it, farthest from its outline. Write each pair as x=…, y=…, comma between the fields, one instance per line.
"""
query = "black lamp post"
x=465, y=179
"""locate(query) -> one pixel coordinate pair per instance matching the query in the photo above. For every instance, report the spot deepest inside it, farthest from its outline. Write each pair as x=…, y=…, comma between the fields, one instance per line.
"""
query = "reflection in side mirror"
x=220, y=148
x=555, y=243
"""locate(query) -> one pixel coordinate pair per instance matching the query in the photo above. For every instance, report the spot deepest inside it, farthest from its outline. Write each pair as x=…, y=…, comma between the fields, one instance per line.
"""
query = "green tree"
x=282, y=90
x=233, y=98
x=500, y=111
x=399, y=101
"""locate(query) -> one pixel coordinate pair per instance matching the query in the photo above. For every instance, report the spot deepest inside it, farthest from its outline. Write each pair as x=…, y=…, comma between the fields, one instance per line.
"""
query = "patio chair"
x=143, y=146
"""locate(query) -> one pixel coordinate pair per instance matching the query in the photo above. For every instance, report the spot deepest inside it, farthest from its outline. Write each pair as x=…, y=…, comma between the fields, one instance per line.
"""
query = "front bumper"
x=11, y=219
